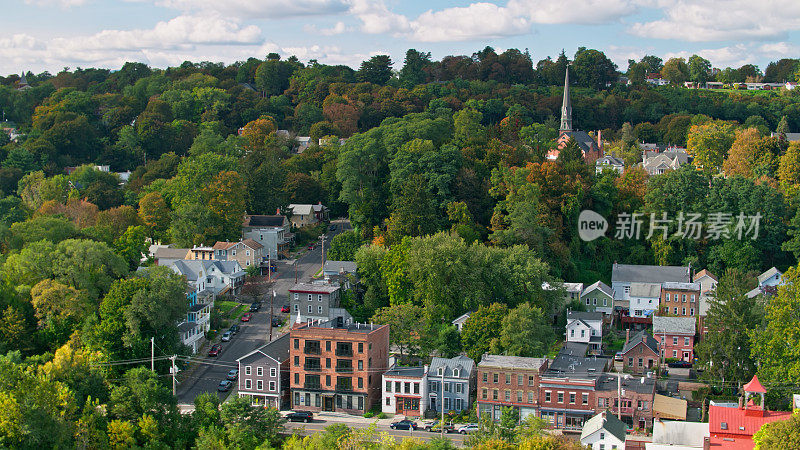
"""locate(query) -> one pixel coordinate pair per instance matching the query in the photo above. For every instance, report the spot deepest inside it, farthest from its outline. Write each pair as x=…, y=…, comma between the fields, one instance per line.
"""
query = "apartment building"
x=264, y=374
x=509, y=381
x=680, y=299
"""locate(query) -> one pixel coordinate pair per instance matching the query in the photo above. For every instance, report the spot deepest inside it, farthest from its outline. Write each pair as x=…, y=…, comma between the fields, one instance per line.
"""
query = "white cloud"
x=476, y=21
x=339, y=28
x=64, y=4
x=248, y=9
x=377, y=19
x=573, y=11
x=721, y=20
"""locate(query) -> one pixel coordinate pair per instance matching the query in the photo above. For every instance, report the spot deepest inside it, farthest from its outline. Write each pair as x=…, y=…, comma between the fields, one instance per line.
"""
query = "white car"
x=469, y=428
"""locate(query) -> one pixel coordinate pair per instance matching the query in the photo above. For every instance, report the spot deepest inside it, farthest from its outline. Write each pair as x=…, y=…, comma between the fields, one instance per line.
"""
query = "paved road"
x=206, y=375
x=319, y=425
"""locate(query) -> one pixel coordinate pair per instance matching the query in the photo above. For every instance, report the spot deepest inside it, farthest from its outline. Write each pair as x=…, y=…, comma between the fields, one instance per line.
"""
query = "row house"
x=317, y=300
x=676, y=336
x=708, y=286
x=586, y=328
x=246, y=252
x=630, y=398
x=271, y=231
x=644, y=298
x=264, y=374
x=509, y=381
x=680, y=299
x=598, y=297
x=567, y=389
x=624, y=275
x=640, y=352
x=405, y=391
x=337, y=366
x=451, y=382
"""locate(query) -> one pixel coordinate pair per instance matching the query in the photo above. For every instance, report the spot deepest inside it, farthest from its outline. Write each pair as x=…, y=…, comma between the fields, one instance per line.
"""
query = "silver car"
x=226, y=336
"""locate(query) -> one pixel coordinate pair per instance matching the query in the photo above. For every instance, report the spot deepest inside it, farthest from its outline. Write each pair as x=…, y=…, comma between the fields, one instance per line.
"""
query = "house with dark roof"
x=165, y=256
x=272, y=232
x=451, y=383
x=663, y=158
x=622, y=275
x=640, y=352
x=609, y=162
x=246, y=252
x=264, y=374
x=586, y=328
x=218, y=277
x=317, y=300
x=598, y=297
x=604, y=431
x=676, y=335
x=630, y=398
x=405, y=391
x=590, y=148
x=509, y=382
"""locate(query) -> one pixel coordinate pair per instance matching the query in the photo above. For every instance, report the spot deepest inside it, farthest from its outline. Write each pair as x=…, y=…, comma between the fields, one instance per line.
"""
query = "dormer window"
x=723, y=425
x=440, y=371
x=456, y=372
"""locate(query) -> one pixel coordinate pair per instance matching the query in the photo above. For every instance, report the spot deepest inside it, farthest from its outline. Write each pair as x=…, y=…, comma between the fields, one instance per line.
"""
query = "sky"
x=40, y=35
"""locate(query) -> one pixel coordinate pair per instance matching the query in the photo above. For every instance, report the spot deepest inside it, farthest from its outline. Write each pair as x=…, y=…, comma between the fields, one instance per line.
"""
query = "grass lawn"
x=231, y=310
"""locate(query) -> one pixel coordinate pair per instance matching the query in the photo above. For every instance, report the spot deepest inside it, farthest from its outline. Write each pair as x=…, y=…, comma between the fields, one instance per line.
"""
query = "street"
x=205, y=373
x=318, y=425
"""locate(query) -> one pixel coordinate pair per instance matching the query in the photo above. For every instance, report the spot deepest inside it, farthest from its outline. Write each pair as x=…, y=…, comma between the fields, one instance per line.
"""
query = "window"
x=360, y=365
x=297, y=296
x=248, y=370
x=630, y=361
x=547, y=396
x=319, y=309
x=602, y=435
x=572, y=333
x=447, y=386
x=360, y=347
x=691, y=299
x=594, y=302
x=667, y=297
x=723, y=425
x=459, y=388
x=485, y=377
x=458, y=404
x=560, y=397
x=627, y=289
x=310, y=308
x=508, y=378
x=327, y=346
x=583, y=333
x=388, y=386
x=691, y=311
x=585, y=399
x=388, y=401
x=260, y=371
x=297, y=378
x=683, y=311
x=520, y=380
x=674, y=340
x=234, y=252
x=360, y=383
x=296, y=307
x=530, y=380
x=406, y=388
x=485, y=394
x=519, y=396
x=327, y=363
x=397, y=386
x=530, y=397
x=674, y=353
x=327, y=380
x=273, y=372
x=456, y=373
x=260, y=385
x=297, y=343
x=495, y=376
x=247, y=252
x=587, y=301
x=683, y=298
x=508, y=395
x=248, y=384
x=309, y=297
x=296, y=360
x=494, y=394
x=641, y=363
x=676, y=311
x=572, y=398
x=686, y=341
x=605, y=302
x=439, y=371
x=319, y=297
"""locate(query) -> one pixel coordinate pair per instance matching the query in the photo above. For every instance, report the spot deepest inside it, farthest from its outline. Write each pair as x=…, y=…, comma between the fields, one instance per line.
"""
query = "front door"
x=399, y=402
x=686, y=357
x=327, y=404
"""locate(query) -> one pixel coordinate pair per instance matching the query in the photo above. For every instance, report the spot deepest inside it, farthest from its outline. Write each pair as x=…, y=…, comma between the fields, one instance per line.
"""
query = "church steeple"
x=566, y=106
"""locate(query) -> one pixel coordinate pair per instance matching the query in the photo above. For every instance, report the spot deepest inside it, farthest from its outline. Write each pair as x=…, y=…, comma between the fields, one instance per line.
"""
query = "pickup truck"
x=434, y=426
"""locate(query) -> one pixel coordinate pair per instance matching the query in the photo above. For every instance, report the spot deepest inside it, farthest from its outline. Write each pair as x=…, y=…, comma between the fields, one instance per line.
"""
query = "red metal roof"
x=755, y=386
x=740, y=422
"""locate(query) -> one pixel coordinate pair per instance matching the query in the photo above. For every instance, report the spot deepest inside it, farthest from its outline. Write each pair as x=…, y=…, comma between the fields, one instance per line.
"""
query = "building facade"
x=586, y=328
x=640, y=352
x=405, y=391
x=509, y=381
x=598, y=297
x=676, y=335
x=631, y=398
x=680, y=299
x=567, y=390
x=270, y=231
x=451, y=383
x=337, y=367
x=264, y=374
x=246, y=252
x=314, y=301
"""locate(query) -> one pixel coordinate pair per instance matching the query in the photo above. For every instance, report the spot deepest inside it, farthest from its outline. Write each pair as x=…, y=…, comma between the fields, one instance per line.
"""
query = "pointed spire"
x=566, y=105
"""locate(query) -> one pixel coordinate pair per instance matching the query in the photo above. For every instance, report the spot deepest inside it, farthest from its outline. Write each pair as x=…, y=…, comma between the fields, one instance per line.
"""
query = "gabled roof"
x=305, y=209
x=264, y=221
x=741, y=422
x=673, y=325
x=277, y=350
x=224, y=245
x=649, y=274
x=638, y=338
x=704, y=273
x=464, y=364
x=645, y=290
x=170, y=253
x=598, y=285
x=191, y=268
x=584, y=316
x=252, y=244
x=607, y=422
x=768, y=274
x=462, y=318
x=610, y=160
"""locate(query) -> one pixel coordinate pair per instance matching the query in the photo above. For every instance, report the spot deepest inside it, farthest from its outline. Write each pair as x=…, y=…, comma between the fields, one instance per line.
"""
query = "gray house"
x=318, y=300
x=264, y=374
x=270, y=231
x=622, y=275
x=453, y=380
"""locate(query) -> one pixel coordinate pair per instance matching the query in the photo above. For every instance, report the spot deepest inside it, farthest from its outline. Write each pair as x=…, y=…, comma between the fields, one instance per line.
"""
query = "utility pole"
x=269, y=267
x=619, y=397
x=174, y=372
x=271, y=311
x=152, y=354
x=442, y=391
x=322, y=253
x=295, y=271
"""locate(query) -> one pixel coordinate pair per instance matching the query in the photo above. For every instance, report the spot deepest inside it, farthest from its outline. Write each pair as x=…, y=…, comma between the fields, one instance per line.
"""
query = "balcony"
x=344, y=369
x=312, y=367
x=312, y=386
x=312, y=350
x=344, y=387
x=344, y=352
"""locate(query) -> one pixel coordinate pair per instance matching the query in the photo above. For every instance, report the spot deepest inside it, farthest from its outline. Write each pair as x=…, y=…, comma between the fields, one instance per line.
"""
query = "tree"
x=344, y=246
x=746, y=157
x=57, y=302
x=225, y=199
x=155, y=214
x=481, y=328
x=773, y=346
x=132, y=245
x=675, y=71
x=415, y=68
x=249, y=427
x=525, y=332
x=709, y=144
x=376, y=70
x=699, y=69
x=789, y=169
x=593, y=69
x=406, y=324
x=725, y=350
x=779, y=434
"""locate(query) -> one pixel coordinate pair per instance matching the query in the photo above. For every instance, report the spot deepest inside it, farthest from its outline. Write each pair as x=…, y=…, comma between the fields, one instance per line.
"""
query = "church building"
x=590, y=148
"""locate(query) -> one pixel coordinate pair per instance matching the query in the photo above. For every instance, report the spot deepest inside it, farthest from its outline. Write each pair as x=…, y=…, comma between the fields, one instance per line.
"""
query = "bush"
x=381, y=415
x=368, y=414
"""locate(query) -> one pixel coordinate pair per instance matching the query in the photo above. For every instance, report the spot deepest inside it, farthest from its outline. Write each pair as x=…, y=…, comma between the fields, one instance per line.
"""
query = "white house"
x=585, y=328
x=644, y=299
x=572, y=291
x=622, y=275
x=604, y=432
x=609, y=162
x=768, y=283
x=405, y=391
x=305, y=215
x=460, y=320
x=218, y=277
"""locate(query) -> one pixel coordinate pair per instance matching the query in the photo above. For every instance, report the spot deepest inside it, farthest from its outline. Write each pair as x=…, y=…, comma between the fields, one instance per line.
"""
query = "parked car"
x=255, y=307
x=468, y=428
x=226, y=336
x=680, y=365
x=276, y=322
x=234, y=328
x=333, y=228
x=404, y=424
x=224, y=385
x=618, y=356
x=311, y=246
x=285, y=308
x=435, y=427
x=214, y=350
x=233, y=374
x=300, y=416
x=246, y=317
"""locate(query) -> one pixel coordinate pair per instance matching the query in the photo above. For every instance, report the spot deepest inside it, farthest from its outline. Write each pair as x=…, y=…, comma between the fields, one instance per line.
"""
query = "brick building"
x=336, y=366
x=640, y=353
x=676, y=335
x=631, y=397
x=680, y=299
x=509, y=381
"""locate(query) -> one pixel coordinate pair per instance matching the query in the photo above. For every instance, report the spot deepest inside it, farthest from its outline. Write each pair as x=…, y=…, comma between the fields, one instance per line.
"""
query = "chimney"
x=644, y=338
x=425, y=369
x=627, y=336
x=741, y=402
x=600, y=141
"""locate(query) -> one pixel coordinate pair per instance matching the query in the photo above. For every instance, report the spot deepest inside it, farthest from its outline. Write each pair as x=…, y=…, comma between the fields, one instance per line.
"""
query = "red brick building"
x=509, y=381
x=632, y=398
x=640, y=353
x=680, y=299
x=337, y=368
x=676, y=336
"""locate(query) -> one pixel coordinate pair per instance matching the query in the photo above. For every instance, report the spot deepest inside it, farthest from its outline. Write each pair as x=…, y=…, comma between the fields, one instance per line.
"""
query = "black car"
x=234, y=329
x=403, y=425
x=300, y=416
x=276, y=322
x=255, y=307
x=224, y=385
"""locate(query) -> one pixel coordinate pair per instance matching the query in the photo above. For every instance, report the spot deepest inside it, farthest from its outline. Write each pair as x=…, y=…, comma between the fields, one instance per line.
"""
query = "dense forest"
x=441, y=170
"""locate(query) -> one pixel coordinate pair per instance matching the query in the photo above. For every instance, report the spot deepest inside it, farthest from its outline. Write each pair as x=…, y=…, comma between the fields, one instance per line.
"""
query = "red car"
x=215, y=349
x=246, y=317
x=285, y=308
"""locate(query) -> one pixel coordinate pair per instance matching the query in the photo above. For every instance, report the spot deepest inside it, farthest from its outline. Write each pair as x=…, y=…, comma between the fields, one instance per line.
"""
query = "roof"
x=170, y=253
x=704, y=273
x=754, y=386
x=649, y=274
x=190, y=268
x=610, y=160
x=740, y=422
x=462, y=318
x=575, y=348
x=753, y=292
x=670, y=408
x=607, y=422
x=224, y=245
x=512, y=362
x=582, y=139
x=340, y=266
x=639, y=337
x=570, y=362
x=642, y=385
x=645, y=290
x=406, y=372
x=264, y=221
x=277, y=349
x=304, y=210
x=671, y=285
x=599, y=285
x=673, y=325
x=252, y=244
x=356, y=327
x=768, y=274
x=584, y=316
x=672, y=432
x=463, y=363
x=323, y=288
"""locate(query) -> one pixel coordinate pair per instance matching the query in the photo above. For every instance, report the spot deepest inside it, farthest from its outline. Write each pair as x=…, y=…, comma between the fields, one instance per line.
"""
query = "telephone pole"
x=271, y=311
x=152, y=354
x=442, y=391
x=174, y=372
x=322, y=253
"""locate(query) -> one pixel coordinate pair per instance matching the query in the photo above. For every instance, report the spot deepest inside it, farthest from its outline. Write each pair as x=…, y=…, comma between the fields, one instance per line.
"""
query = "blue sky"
x=51, y=34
